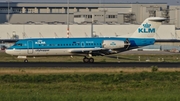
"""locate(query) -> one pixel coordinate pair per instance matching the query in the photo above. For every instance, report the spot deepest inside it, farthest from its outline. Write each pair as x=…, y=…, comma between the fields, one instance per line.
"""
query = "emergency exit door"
x=30, y=47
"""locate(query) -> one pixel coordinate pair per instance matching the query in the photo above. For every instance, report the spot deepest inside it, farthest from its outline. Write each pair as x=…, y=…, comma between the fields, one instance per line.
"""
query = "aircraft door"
x=29, y=46
x=82, y=44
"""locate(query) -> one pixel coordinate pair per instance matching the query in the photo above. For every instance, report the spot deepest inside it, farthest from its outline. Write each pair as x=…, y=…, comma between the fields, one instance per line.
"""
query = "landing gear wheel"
x=91, y=60
x=26, y=60
x=88, y=60
x=85, y=60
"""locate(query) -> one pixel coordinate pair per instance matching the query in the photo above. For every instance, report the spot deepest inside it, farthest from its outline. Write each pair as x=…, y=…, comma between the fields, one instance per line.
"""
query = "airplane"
x=87, y=47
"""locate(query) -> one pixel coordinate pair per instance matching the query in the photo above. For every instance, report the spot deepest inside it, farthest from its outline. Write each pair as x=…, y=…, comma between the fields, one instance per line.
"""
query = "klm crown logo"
x=147, y=25
x=147, y=29
x=40, y=42
x=113, y=43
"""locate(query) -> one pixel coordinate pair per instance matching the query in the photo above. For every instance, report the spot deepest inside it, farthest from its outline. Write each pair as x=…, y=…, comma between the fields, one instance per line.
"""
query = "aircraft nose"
x=11, y=51
x=7, y=51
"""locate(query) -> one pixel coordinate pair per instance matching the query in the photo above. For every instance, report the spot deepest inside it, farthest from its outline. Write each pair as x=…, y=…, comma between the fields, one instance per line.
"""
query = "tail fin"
x=148, y=28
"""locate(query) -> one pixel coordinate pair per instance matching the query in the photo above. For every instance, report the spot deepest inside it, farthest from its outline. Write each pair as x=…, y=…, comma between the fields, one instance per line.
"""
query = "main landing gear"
x=88, y=60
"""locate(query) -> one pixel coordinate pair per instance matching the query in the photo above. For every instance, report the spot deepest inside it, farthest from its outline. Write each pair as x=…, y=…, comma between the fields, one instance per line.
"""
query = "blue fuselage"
x=65, y=43
x=76, y=46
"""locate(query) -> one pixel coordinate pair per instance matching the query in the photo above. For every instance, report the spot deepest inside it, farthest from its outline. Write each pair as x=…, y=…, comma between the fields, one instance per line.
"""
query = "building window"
x=77, y=16
x=111, y=16
x=89, y=16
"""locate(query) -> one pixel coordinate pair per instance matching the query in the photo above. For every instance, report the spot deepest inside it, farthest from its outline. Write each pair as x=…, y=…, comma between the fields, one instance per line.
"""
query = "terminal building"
x=54, y=13
x=20, y=20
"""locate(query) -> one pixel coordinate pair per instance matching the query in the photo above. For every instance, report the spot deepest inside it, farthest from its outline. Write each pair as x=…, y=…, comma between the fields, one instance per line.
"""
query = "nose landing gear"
x=26, y=60
x=88, y=60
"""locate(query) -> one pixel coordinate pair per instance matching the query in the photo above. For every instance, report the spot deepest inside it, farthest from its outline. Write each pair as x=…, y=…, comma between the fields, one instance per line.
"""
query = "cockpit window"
x=18, y=44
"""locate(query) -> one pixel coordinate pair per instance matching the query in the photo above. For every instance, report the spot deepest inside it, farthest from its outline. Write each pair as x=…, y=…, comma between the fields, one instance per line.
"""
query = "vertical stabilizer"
x=148, y=28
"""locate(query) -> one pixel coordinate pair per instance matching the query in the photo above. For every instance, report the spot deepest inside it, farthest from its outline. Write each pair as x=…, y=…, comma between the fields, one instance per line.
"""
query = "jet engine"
x=114, y=44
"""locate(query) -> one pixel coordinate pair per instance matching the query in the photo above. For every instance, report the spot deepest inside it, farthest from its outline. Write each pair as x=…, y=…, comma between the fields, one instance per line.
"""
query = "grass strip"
x=140, y=86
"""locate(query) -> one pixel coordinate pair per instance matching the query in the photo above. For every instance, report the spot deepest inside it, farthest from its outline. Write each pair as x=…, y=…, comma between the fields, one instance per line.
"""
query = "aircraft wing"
x=87, y=50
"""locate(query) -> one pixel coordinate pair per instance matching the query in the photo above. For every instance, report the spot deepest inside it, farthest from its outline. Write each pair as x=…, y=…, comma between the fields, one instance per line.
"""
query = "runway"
x=88, y=65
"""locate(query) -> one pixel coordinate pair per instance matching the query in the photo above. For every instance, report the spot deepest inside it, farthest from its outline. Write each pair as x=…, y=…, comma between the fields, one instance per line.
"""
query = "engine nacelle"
x=113, y=44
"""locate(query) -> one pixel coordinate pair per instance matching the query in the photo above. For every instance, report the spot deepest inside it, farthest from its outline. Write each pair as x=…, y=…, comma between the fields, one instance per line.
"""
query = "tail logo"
x=147, y=29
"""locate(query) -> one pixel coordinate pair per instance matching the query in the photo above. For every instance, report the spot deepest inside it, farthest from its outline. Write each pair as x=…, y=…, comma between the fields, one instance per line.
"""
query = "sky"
x=170, y=2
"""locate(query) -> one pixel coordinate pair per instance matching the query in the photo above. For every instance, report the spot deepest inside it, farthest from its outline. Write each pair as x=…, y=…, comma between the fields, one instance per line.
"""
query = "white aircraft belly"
x=39, y=52
x=45, y=52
